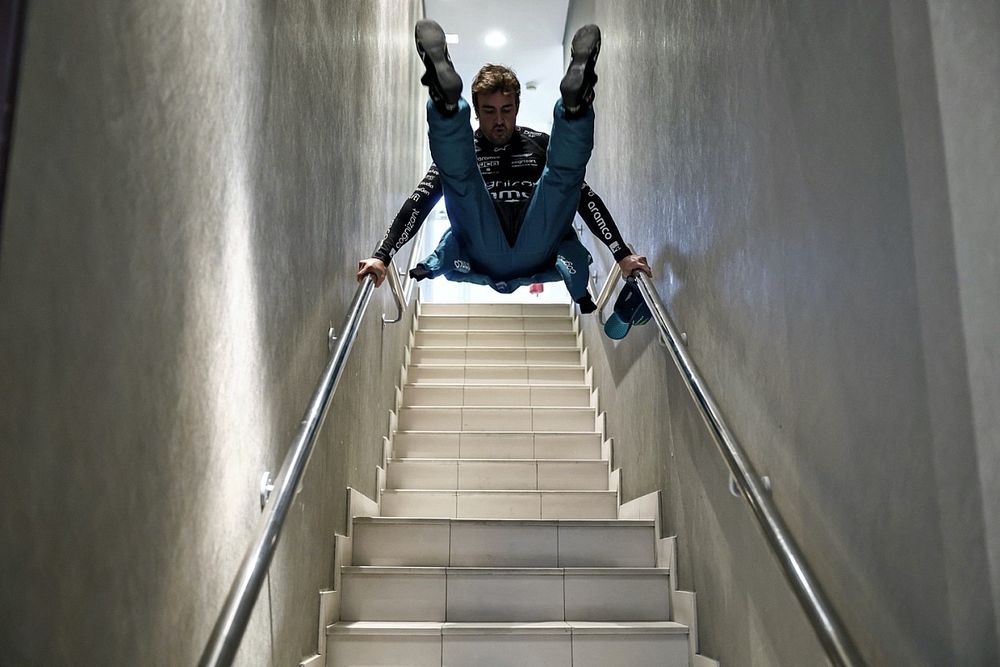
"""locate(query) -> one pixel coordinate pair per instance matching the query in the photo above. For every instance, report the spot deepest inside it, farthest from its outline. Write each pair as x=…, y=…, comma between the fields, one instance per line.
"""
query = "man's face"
x=497, y=116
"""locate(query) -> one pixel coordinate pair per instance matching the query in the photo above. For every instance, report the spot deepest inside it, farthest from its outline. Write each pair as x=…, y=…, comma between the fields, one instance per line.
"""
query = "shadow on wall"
x=12, y=22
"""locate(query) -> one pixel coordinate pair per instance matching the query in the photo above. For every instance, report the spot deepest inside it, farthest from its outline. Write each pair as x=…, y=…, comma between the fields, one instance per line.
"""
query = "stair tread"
x=504, y=571
x=560, y=627
x=524, y=313
x=498, y=348
x=493, y=316
x=500, y=364
x=513, y=384
x=568, y=331
x=524, y=432
x=451, y=384
x=509, y=522
x=546, y=408
x=411, y=459
x=512, y=364
x=407, y=490
x=498, y=407
x=496, y=433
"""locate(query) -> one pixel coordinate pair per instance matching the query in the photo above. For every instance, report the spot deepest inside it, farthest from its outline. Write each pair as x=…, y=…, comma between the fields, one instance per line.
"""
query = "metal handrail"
x=401, y=292
x=398, y=296
x=605, y=294
x=232, y=622
x=837, y=643
x=416, y=254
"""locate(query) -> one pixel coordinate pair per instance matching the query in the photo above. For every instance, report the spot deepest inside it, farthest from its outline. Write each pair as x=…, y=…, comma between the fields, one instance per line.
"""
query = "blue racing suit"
x=511, y=207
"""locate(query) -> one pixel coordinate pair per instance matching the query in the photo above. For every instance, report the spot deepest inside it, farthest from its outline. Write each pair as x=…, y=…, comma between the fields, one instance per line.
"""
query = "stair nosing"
x=498, y=331
x=501, y=348
x=446, y=432
x=451, y=459
x=509, y=365
x=409, y=490
x=569, y=523
x=500, y=407
x=462, y=385
x=515, y=627
x=375, y=570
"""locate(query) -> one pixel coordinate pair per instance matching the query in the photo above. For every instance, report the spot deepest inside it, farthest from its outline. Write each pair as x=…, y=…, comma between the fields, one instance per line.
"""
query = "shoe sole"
x=583, y=56
x=433, y=51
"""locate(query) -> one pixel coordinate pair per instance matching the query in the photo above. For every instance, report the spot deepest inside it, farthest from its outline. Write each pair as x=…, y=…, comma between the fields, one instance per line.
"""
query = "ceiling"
x=534, y=30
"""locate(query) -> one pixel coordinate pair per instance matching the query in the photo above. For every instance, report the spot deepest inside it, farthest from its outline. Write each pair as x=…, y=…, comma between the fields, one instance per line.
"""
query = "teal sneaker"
x=630, y=310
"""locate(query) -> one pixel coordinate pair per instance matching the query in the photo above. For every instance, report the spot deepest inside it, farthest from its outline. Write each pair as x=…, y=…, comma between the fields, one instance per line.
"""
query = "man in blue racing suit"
x=510, y=192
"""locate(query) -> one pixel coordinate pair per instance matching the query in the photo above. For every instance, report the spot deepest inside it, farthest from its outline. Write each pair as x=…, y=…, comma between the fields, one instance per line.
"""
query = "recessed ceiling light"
x=451, y=38
x=495, y=39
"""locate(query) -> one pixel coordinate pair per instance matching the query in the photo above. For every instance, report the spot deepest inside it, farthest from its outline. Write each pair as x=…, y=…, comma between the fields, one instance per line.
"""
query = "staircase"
x=498, y=540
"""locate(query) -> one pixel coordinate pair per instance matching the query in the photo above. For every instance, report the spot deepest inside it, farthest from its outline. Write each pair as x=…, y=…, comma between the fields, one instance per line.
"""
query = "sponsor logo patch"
x=568, y=264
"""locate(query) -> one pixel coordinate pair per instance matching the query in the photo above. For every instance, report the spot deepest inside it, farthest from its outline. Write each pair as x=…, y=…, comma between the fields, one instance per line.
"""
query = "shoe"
x=586, y=303
x=420, y=272
x=577, y=86
x=630, y=309
x=443, y=83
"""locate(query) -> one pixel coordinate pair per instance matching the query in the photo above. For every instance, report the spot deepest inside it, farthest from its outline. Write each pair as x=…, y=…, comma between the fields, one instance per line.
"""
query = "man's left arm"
x=598, y=219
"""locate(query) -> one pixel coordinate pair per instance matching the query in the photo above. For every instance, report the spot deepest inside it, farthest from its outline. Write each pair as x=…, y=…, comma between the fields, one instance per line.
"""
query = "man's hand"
x=375, y=267
x=634, y=263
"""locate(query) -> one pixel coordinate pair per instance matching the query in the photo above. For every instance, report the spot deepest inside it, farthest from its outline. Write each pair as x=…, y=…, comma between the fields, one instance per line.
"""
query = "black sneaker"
x=577, y=86
x=420, y=272
x=443, y=83
x=586, y=303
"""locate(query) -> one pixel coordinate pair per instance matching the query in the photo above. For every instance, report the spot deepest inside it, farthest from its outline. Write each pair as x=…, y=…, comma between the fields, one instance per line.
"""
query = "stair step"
x=496, y=309
x=494, y=445
x=497, y=418
x=493, y=323
x=543, y=644
x=499, y=356
x=508, y=374
x=500, y=504
x=540, y=627
x=491, y=339
x=498, y=541
x=496, y=395
x=495, y=474
x=390, y=541
x=504, y=594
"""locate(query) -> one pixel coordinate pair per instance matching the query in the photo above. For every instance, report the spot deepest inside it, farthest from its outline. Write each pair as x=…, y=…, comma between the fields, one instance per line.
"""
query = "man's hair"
x=495, y=79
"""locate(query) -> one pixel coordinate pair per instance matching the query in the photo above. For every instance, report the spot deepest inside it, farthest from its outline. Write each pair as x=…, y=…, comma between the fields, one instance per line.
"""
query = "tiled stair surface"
x=499, y=541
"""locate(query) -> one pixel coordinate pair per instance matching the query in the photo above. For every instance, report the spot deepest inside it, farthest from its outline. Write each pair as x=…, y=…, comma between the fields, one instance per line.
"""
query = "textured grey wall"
x=191, y=186
x=812, y=182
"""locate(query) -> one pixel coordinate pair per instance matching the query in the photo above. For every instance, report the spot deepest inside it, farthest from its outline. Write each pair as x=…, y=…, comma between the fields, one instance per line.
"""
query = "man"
x=511, y=193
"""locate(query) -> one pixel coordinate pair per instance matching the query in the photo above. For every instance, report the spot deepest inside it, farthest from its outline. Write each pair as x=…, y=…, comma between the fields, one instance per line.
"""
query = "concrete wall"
x=814, y=182
x=191, y=187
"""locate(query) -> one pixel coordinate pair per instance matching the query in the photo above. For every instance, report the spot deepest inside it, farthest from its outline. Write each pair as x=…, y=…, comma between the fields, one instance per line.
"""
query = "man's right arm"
x=404, y=226
x=411, y=216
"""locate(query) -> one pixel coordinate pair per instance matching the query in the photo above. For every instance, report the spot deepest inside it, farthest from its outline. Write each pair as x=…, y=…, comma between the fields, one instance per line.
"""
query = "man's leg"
x=573, y=264
x=451, y=261
x=469, y=204
x=549, y=217
x=557, y=193
x=448, y=257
